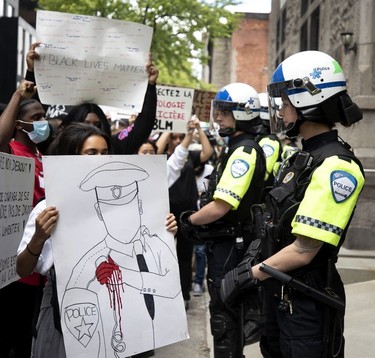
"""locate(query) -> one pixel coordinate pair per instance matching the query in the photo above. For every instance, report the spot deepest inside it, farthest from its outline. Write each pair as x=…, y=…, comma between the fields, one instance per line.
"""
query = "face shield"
x=287, y=90
x=276, y=121
x=216, y=108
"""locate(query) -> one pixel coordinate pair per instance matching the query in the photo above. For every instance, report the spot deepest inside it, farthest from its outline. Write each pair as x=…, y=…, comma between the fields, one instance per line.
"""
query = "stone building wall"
x=359, y=68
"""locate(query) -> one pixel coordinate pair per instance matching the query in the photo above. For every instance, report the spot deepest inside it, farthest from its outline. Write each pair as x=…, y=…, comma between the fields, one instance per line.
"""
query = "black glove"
x=189, y=231
x=185, y=224
x=236, y=282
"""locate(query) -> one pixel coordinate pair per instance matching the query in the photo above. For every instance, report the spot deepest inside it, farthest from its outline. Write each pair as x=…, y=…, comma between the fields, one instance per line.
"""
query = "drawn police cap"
x=114, y=180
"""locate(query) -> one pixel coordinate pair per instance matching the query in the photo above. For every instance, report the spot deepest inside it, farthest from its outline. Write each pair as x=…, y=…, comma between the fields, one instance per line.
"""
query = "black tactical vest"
x=284, y=198
x=253, y=194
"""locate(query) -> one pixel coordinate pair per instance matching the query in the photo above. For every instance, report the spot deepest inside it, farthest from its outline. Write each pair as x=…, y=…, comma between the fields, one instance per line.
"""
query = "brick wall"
x=244, y=57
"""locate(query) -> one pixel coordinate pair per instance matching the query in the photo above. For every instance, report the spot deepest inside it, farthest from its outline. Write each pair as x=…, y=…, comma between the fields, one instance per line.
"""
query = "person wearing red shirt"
x=22, y=129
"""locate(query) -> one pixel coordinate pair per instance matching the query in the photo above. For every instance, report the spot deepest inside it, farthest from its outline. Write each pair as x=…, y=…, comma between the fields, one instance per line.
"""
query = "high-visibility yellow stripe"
x=271, y=150
x=232, y=185
x=319, y=215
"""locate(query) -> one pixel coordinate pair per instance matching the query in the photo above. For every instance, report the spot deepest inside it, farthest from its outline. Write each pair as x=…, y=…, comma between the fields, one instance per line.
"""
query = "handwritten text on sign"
x=174, y=108
x=91, y=59
x=16, y=194
x=202, y=104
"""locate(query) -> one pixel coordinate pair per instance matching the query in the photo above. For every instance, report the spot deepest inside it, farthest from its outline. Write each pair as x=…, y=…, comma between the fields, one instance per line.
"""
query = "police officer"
x=234, y=186
x=269, y=142
x=310, y=208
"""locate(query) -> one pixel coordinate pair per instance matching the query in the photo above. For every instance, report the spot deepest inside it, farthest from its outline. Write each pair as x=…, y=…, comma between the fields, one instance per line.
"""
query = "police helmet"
x=242, y=101
x=315, y=84
x=263, y=100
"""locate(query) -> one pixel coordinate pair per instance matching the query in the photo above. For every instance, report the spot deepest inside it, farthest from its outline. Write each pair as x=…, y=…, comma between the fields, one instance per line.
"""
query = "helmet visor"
x=276, y=121
x=216, y=108
x=221, y=106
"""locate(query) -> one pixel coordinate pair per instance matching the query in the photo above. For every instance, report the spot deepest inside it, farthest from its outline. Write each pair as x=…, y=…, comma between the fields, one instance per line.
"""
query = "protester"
x=177, y=160
x=183, y=195
x=34, y=252
x=308, y=213
x=119, y=124
x=23, y=129
x=225, y=222
x=202, y=174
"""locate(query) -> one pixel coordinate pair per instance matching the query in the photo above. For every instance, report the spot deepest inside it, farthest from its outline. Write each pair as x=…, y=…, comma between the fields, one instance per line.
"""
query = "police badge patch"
x=239, y=168
x=267, y=150
x=343, y=185
x=82, y=321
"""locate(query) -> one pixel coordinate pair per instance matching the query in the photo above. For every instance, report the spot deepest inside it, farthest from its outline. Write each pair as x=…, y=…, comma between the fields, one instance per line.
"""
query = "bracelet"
x=31, y=253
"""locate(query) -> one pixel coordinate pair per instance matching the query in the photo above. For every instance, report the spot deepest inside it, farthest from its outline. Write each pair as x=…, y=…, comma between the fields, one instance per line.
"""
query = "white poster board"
x=113, y=302
x=174, y=108
x=16, y=197
x=91, y=59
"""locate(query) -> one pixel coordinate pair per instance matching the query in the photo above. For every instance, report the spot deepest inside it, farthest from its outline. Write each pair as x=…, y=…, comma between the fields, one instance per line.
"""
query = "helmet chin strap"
x=293, y=131
x=226, y=132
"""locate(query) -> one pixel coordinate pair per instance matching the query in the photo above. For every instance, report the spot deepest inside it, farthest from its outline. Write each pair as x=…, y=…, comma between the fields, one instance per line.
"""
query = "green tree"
x=178, y=26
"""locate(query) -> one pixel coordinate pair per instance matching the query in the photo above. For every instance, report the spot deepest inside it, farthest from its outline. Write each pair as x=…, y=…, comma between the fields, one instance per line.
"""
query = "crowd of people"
x=262, y=202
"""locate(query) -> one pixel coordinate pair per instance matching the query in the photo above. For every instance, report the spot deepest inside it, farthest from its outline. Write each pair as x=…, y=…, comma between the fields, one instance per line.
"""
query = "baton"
x=328, y=296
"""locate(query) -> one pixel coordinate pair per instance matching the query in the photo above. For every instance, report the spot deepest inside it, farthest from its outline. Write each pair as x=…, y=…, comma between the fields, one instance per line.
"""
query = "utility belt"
x=241, y=232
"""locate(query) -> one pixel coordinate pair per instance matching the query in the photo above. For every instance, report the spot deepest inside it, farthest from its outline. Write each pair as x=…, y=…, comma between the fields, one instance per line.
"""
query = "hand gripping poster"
x=116, y=266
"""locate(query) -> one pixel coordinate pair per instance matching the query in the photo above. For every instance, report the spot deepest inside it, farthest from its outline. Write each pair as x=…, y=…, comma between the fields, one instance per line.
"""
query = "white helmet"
x=308, y=78
x=263, y=100
x=242, y=100
x=316, y=86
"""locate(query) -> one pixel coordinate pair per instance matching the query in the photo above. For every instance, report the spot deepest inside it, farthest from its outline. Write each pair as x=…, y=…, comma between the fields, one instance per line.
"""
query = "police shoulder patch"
x=268, y=150
x=239, y=168
x=343, y=185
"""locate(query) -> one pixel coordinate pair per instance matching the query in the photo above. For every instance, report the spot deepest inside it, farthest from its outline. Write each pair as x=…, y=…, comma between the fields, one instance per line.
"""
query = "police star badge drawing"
x=116, y=266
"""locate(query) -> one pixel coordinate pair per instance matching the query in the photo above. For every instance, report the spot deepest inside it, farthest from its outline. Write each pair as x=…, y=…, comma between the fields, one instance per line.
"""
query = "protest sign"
x=91, y=59
x=202, y=104
x=16, y=196
x=116, y=265
x=174, y=108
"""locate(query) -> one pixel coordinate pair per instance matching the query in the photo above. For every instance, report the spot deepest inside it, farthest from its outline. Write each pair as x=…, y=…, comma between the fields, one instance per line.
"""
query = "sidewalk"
x=359, y=327
x=197, y=345
x=359, y=318
x=359, y=322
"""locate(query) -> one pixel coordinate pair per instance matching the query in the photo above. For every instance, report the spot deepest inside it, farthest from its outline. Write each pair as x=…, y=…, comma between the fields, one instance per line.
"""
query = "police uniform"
x=315, y=194
x=237, y=180
x=128, y=265
x=272, y=151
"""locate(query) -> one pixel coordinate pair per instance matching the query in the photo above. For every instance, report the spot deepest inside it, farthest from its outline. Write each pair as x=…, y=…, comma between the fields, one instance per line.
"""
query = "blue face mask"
x=40, y=132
